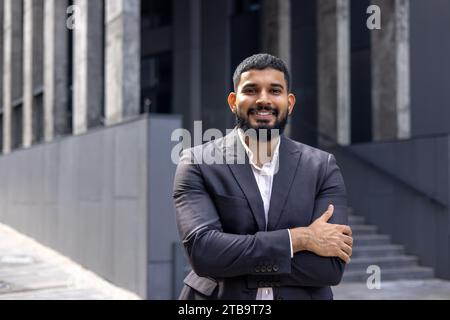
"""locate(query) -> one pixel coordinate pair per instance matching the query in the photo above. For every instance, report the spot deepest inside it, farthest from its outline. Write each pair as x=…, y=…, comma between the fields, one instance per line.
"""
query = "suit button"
x=263, y=269
x=257, y=269
x=275, y=268
x=269, y=269
x=260, y=284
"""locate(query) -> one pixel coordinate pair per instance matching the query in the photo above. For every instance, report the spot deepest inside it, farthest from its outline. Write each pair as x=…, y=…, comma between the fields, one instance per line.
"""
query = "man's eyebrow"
x=277, y=85
x=249, y=85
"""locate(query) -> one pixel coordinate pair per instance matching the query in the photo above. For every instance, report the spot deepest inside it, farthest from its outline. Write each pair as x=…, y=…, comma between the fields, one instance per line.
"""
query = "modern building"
x=91, y=90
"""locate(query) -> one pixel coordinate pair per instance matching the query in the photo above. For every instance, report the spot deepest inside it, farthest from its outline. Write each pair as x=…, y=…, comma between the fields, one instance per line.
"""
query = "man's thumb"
x=327, y=215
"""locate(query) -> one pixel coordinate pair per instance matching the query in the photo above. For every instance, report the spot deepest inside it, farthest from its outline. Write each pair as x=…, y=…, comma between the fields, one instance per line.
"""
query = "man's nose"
x=263, y=99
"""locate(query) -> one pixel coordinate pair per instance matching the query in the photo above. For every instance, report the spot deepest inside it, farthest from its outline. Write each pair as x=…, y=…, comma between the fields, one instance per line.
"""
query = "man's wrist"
x=300, y=239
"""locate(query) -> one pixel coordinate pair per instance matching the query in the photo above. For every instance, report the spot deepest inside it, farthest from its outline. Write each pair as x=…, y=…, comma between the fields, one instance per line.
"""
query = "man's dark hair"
x=261, y=61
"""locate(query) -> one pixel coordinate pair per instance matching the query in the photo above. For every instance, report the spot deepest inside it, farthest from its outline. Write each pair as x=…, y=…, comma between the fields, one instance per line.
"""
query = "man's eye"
x=249, y=91
x=276, y=91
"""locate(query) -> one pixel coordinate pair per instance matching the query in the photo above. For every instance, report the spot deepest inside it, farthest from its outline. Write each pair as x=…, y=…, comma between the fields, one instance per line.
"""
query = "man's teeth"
x=264, y=113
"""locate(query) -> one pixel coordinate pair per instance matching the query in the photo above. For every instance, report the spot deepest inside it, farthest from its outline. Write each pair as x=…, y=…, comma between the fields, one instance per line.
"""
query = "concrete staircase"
x=371, y=248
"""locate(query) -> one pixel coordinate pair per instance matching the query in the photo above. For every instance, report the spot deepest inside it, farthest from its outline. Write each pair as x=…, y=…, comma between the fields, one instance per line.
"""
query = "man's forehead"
x=269, y=74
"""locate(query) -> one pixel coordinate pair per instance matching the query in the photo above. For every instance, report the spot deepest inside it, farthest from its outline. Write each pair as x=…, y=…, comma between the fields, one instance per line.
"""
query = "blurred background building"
x=91, y=91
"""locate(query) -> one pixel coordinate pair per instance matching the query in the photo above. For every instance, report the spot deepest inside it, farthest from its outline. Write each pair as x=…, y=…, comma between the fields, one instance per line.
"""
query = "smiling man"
x=272, y=223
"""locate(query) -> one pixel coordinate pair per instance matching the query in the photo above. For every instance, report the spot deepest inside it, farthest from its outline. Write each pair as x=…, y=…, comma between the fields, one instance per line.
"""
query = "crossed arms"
x=320, y=250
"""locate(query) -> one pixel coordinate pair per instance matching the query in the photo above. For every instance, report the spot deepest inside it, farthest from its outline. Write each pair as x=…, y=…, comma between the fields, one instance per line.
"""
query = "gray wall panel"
x=430, y=72
x=106, y=230
x=88, y=197
x=90, y=177
x=160, y=285
x=50, y=179
x=126, y=158
x=402, y=187
x=161, y=225
x=125, y=243
x=413, y=162
x=162, y=211
x=90, y=216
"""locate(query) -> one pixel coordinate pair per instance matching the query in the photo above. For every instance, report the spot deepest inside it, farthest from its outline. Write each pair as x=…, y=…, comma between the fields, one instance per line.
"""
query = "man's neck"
x=263, y=151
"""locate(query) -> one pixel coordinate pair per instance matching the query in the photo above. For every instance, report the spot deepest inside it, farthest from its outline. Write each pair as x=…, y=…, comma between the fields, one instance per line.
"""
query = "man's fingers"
x=347, y=249
x=347, y=240
x=344, y=256
x=327, y=214
x=346, y=230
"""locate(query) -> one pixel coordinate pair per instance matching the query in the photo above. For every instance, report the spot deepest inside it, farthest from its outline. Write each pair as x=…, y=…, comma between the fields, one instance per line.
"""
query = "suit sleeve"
x=211, y=252
x=309, y=269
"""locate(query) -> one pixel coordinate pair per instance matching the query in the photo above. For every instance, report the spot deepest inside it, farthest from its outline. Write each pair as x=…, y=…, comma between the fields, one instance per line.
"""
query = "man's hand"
x=323, y=238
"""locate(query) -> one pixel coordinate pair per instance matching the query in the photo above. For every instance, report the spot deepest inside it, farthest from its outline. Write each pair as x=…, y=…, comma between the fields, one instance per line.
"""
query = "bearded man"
x=270, y=221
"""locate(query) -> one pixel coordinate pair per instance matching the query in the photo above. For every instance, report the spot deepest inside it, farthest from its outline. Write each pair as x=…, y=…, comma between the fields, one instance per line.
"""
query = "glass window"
x=245, y=6
x=156, y=13
x=156, y=83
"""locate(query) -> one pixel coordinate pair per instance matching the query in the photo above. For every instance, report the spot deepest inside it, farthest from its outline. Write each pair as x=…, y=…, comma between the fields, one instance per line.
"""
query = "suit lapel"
x=289, y=159
x=242, y=172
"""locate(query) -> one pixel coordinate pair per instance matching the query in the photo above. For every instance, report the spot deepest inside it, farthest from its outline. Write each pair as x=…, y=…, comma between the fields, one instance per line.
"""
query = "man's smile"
x=263, y=113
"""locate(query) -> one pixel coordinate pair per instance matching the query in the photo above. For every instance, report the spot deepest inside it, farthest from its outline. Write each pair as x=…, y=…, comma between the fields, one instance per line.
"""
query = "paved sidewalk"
x=30, y=271
x=433, y=289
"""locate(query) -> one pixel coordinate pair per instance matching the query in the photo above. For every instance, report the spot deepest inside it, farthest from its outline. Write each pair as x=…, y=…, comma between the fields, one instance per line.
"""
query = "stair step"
x=377, y=251
x=371, y=239
x=361, y=264
x=391, y=274
x=353, y=220
x=363, y=229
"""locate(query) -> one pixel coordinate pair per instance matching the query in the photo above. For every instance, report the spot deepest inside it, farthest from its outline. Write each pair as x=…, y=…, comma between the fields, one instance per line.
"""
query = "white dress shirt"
x=264, y=180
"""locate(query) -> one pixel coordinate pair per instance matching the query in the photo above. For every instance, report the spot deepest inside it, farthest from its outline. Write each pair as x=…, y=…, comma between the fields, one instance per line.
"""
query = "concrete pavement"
x=30, y=271
x=430, y=289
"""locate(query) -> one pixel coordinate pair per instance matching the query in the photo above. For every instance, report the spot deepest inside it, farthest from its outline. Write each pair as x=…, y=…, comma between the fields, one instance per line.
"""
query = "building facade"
x=71, y=67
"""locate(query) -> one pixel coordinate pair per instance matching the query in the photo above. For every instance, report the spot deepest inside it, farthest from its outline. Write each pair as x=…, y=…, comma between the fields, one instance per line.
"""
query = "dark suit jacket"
x=220, y=218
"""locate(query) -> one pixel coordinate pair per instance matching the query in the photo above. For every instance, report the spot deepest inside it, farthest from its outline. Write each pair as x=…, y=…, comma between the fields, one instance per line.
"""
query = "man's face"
x=262, y=100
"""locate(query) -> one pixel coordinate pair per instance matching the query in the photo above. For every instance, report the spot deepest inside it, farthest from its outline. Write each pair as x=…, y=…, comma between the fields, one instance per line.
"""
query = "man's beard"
x=260, y=129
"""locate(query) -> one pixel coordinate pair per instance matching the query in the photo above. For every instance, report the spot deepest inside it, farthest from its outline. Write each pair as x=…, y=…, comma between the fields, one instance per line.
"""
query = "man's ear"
x=232, y=101
x=291, y=103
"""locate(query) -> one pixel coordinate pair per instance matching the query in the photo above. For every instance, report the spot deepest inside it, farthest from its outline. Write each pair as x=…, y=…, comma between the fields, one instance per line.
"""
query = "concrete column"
x=56, y=61
x=216, y=73
x=88, y=66
x=122, y=74
x=276, y=28
x=334, y=71
x=12, y=69
x=1, y=73
x=276, y=32
x=187, y=61
x=390, y=72
x=32, y=65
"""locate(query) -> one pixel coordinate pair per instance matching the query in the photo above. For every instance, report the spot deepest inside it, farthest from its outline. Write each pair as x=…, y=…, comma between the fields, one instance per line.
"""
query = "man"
x=269, y=222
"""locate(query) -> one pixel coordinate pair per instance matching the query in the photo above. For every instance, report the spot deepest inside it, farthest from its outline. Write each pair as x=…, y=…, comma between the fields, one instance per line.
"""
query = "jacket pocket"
x=203, y=285
x=230, y=200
